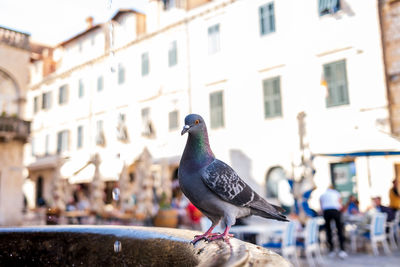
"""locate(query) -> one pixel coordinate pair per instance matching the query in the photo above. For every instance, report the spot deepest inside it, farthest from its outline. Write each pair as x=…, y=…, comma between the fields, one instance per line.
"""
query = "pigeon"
x=214, y=187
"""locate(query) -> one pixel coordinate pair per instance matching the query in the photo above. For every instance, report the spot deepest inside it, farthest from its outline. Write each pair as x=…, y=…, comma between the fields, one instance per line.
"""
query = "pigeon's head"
x=193, y=123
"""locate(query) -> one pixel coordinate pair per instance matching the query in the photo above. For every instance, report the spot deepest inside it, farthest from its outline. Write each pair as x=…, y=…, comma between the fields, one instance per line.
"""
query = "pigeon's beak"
x=185, y=129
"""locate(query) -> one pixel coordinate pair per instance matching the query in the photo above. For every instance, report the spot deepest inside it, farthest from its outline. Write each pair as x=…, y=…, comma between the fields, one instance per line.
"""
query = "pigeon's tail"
x=264, y=209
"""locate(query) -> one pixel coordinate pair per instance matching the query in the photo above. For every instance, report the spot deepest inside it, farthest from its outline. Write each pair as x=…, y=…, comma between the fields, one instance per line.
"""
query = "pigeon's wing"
x=224, y=182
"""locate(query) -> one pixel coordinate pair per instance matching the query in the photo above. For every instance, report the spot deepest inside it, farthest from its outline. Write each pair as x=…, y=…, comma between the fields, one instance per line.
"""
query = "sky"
x=53, y=21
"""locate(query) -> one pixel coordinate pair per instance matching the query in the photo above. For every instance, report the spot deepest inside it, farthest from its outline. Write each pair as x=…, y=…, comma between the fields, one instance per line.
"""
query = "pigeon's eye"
x=196, y=122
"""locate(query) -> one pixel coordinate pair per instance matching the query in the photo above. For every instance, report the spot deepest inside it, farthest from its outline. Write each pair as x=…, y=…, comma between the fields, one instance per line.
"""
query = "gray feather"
x=212, y=185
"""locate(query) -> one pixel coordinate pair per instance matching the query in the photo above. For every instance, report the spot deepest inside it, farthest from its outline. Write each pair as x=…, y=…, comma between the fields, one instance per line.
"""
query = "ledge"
x=129, y=245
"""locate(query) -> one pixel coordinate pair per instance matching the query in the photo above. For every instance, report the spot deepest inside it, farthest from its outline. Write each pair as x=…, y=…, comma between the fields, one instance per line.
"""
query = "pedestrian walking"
x=331, y=205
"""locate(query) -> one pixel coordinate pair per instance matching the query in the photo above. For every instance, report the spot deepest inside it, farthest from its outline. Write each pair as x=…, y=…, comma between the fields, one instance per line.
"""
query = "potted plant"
x=166, y=215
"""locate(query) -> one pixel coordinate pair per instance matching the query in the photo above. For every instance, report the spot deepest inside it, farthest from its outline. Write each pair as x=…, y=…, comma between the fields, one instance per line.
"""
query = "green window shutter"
x=172, y=54
x=81, y=89
x=100, y=83
x=145, y=64
x=63, y=94
x=80, y=137
x=36, y=104
x=267, y=18
x=121, y=74
x=328, y=6
x=213, y=39
x=272, y=97
x=216, y=110
x=336, y=79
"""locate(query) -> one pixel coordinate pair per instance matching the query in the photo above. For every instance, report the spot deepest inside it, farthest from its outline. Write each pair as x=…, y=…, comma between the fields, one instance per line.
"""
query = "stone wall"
x=390, y=23
x=15, y=56
x=11, y=180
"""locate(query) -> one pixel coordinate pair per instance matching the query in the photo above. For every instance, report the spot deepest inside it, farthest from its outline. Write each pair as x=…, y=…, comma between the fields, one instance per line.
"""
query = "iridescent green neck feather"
x=198, y=148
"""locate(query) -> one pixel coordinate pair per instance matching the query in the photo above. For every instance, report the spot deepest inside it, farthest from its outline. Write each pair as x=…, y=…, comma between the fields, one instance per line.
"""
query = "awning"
x=70, y=167
x=85, y=175
x=110, y=169
x=48, y=162
x=362, y=154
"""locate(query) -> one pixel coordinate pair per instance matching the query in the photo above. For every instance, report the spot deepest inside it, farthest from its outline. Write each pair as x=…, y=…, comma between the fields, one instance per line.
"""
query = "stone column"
x=58, y=188
x=97, y=187
x=145, y=194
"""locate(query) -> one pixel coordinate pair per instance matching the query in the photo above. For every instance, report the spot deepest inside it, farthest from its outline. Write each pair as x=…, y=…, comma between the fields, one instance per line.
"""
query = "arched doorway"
x=278, y=188
x=9, y=95
x=39, y=192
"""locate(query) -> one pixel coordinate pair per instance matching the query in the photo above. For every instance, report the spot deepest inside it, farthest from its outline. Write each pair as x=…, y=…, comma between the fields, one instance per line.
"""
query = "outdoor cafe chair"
x=377, y=232
x=286, y=245
x=394, y=234
x=311, y=244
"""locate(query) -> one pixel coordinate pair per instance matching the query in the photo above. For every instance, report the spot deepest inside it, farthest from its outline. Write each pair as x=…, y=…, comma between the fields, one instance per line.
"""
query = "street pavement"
x=361, y=260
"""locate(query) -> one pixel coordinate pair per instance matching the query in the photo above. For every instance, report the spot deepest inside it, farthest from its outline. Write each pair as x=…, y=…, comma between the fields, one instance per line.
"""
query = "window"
x=63, y=94
x=145, y=64
x=80, y=46
x=213, y=39
x=336, y=79
x=92, y=40
x=148, y=129
x=172, y=55
x=79, y=143
x=47, y=144
x=274, y=177
x=121, y=74
x=81, y=88
x=122, y=130
x=62, y=141
x=46, y=100
x=272, y=97
x=35, y=104
x=216, y=110
x=100, y=83
x=173, y=120
x=168, y=4
x=328, y=6
x=33, y=147
x=267, y=19
x=100, y=138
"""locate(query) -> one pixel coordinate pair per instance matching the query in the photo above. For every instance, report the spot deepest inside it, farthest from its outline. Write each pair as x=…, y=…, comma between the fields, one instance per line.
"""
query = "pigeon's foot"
x=199, y=237
x=208, y=237
x=224, y=237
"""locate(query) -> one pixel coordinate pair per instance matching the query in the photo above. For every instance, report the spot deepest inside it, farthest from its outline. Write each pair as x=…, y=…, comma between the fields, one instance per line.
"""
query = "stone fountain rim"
x=238, y=254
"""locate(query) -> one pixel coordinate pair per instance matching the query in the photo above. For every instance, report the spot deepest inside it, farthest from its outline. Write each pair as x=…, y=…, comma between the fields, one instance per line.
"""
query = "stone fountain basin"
x=124, y=246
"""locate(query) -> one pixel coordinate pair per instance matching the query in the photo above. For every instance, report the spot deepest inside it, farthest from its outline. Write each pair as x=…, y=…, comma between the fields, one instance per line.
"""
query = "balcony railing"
x=12, y=128
x=14, y=38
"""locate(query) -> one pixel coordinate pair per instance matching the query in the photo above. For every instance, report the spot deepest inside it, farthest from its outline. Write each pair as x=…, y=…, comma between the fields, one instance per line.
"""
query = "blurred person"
x=180, y=203
x=331, y=205
x=394, y=196
x=377, y=206
x=195, y=216
x=351, y=207
x=83, y=204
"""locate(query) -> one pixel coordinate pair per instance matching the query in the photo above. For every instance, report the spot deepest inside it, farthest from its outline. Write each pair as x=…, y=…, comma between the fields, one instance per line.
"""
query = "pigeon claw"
x=197, y=238
x=224, y=237
x=208, y=237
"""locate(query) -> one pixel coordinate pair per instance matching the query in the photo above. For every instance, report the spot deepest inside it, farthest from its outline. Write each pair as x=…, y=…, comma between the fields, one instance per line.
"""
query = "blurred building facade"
x=279, y=84
x=14, y=130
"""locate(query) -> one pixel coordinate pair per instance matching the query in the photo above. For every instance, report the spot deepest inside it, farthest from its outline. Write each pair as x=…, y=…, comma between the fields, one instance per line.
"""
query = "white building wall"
x=302, y=44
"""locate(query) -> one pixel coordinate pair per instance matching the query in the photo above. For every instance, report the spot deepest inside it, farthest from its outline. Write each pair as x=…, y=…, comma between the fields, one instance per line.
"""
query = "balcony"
x=14, y=38
x=12, y=128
